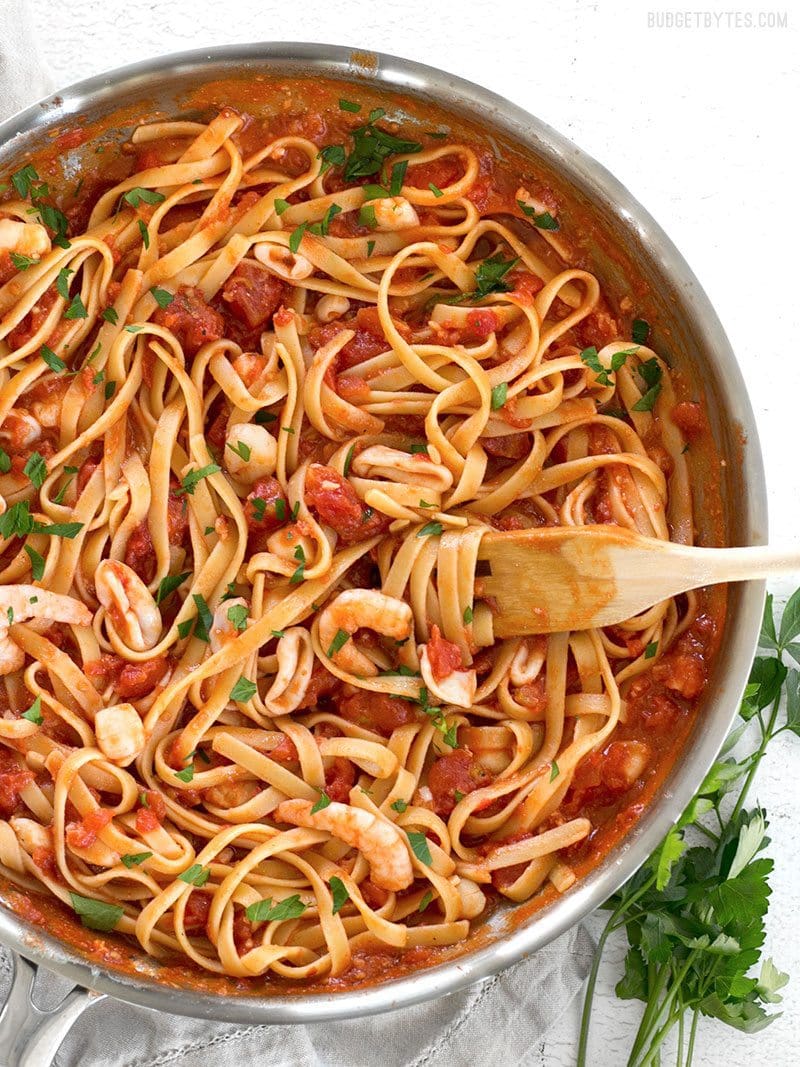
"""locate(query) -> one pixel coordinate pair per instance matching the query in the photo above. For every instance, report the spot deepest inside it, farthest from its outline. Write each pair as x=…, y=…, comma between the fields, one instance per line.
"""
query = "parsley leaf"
x=193, y=478
x=169, y=584
x=323, y=801
x=420, y=847
x=265, y=911
x=339, y=894
x=96, y=914
x=244, y=690
x=197, y=875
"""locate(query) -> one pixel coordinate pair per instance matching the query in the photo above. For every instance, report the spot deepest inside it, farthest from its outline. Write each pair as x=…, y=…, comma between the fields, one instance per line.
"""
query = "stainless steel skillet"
x=699, y=345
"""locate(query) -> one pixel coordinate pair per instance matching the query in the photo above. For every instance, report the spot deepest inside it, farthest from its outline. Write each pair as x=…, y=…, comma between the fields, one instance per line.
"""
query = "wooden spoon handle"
x=712, y=565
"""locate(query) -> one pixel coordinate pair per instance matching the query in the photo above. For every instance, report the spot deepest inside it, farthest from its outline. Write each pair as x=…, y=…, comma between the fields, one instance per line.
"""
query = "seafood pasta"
x=265, y=384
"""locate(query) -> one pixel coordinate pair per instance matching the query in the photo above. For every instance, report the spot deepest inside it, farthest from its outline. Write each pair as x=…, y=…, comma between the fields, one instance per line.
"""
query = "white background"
x=701, y=125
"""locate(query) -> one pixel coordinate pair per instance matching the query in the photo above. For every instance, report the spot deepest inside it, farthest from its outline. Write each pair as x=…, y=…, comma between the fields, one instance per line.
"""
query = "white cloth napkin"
x=499, y=1021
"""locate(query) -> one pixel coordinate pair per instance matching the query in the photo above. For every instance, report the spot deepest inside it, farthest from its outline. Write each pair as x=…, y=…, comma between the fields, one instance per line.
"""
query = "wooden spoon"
x=578, y=577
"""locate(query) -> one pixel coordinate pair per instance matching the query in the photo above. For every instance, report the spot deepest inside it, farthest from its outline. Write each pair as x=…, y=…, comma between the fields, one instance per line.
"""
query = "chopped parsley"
x=437, y=192
x=420, y=847
x=399, y=806
x=430, y=529
x=541, y=220
x=54, y=362
x=190, y=481
x=37, y=563
x=650, y=371
x=138, y=195
x=96, y=914
x=349, y=105
x=339, y=641
x=197, y=875
x=35, y=469
x=651, y=650
x=163, y=297
x=242, y=450
x=339, y=894
x=34, y=712
x=76, y=309
x=133, y=859
x=499, y=395
x=168, y=585
x=469, y=615
x=237, y=616
x=244, y=690
x=323, y=801
x=265, y=911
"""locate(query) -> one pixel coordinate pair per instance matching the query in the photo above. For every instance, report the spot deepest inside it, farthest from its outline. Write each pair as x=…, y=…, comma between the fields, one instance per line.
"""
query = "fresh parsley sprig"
x=694, y=913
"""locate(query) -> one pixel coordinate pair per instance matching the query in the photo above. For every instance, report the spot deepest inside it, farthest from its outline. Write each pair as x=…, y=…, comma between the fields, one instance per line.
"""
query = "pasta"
x=260, y=400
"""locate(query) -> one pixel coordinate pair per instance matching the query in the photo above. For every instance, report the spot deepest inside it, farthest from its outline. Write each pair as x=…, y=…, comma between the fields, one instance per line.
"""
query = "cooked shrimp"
x=528, y=660
x=458, y=687
x=394, y=213
x=380, y=461
x=380, y=842
x=31, y=834
x=251, y=452
x=356, y=608
x=224, y=627
x=18, y=603
x=281, y=261
x=20, y=429
x=295, y=665
x=473, y=899
x=331, y=307
x=231, y=794
x=129, y=605
x=120, y=733
x=24, y=238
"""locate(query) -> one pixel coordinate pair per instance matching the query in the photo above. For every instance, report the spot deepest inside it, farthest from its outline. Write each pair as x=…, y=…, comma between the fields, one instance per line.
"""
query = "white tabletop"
x=701, y=125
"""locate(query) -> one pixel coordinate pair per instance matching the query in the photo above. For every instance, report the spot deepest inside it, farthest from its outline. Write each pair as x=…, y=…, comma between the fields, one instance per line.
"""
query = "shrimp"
x=18, y=603
x=412, y=469
x=295, y=665
x=528, y=660
x=280, y=261
x=129, y=605
x=394, y=213
x=473, y=899
x=458, y=687
x=225, y=627
x=24, y=238
x=380, y=842
x=331, y=307
x=20, y=429
x=251, y=452
x=356, y=608
x=120, y=733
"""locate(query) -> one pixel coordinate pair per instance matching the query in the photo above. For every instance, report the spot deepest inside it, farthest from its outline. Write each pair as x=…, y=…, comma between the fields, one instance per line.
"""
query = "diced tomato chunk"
x=321, y=684
x=444, y=655
x=534, y=694
x=453, y=776
x=373, y=894
x=152, y=812
x=262, y=509
x=284, y=752
x=137, y=680
x=13, y=779
x=599, y=328
x=195, y=916
x=377, y=711
x=191, y=319
x=337, y=505
x=340, y=779
x=690, y=417
x=45, y=860
x=32, y=322
x=605, y=775
x=253, y=294
x=83, y=834
x=508, y=446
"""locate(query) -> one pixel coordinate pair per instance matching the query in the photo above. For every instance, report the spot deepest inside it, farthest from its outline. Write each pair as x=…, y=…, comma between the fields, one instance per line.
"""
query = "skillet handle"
x=30, y=1037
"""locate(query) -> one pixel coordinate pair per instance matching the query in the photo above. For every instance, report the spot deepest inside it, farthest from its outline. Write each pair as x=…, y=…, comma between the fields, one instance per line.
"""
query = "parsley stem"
x=766, y=736
x=692, y=1036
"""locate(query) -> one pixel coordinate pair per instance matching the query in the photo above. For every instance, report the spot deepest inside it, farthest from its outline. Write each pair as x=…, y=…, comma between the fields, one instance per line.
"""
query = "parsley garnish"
x=427, y=897
x=187, y=774
x=592, y=360
x=399, y=806
x=138, y=195
x=420, y=847
x=469, y=615
x=281, y=206
x=265, y=911
x=5, y=461
x=323, y=801
x=437, y=192
x=34, y=712
x=349, y=105
x=241, y=450
x=499, y=394
x=237, y=616
x=37, y=563
x=554, y=771
x=169, y=584
x=366, y=216
x=96, y=914
x=35, y=469
x=18, y=522
x=640, y=331
x=191, y=480
x=23, y=180
x=541, y=220
x=339, y=894
x=133, y=859
x=339, y=641
x=76, y=310
x=651, y=650
x=22, y=262
x=244, y=690
x=398, y=177
x=62, y=282
x=195, y=875
x=54, y=362
x=430, y=529
x=110, y=315
x=650, y=371
x=372, y=146
x=143, y=231
x=163, y=297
